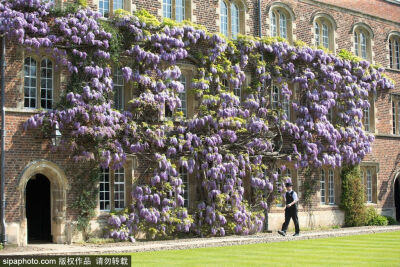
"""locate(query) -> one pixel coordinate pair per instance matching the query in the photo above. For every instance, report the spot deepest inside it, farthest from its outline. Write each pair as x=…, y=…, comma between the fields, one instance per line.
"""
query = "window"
x=324, y=31
x=331, y=186
x=32, y=88
x=396, y=114
x=362, y=43
x=279, y=24
x=238, y=92
x=280, y=21
x=178, y=10
x=119, y=189
x=104, y=190
x=231, y=18
x=106, y=8
x=112, y=199
x=369, y=180
x=183, y=96
x=185, y=182
x=322, y=186
x=276, y=101
x=118, y=89
x=394, y=52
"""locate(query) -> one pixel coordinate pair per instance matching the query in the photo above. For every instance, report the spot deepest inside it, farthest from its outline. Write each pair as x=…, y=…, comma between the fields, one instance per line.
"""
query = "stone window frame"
x=321, y=19
x=185, y=176
x=358, y=29
x=336, y=186
x=243, y=17
x=277, y=8
x=39, y=57
x=373, y=167
x=128, y=176
x=393, y=50
x=128, y=6
x=188, y=5
x=371, y=115
x=188, y=71
x=290, y=114
x=116, y=71
x=395, y=112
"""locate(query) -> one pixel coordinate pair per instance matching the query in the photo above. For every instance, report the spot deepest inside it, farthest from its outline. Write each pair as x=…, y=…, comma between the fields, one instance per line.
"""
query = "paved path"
x=123, y=247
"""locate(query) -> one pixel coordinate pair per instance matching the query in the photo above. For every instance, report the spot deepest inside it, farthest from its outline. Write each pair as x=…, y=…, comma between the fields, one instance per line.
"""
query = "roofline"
x=354, y=12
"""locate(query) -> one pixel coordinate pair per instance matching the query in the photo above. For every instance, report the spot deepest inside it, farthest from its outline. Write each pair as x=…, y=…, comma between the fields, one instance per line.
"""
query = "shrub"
x=373, y=218
x=391, y=220
x=353, y=199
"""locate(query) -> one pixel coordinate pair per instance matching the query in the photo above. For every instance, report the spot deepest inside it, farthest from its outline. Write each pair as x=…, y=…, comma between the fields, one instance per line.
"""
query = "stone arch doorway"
x=38, y=209
x=57, y=186
x=397, y=197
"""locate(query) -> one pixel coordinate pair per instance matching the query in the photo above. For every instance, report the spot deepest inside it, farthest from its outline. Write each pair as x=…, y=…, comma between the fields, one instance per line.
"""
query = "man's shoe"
x=296, y=234
x=282, y=233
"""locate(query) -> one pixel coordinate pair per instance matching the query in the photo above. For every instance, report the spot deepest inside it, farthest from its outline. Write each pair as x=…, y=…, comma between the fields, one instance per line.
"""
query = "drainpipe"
x=3, y=141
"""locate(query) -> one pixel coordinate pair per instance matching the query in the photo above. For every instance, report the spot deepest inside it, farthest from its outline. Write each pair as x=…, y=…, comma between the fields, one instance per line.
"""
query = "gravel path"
x=124, y=247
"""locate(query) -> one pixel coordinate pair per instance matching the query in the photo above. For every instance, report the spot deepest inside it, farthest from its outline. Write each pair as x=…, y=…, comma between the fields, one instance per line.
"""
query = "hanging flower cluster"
x=227, y=141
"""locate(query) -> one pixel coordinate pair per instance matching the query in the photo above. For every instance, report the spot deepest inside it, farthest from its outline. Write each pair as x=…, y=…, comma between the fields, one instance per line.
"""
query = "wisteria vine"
x=227, y=141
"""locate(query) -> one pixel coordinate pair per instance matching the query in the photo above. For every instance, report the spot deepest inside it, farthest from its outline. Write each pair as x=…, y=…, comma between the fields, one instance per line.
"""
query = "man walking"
x=291, y=210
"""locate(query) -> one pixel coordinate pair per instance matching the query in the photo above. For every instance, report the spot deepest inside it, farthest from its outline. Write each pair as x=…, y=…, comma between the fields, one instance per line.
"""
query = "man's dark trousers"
x=291, y=213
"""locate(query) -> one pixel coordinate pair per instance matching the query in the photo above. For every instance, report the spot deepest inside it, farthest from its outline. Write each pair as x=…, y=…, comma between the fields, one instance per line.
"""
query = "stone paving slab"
x=125, y=247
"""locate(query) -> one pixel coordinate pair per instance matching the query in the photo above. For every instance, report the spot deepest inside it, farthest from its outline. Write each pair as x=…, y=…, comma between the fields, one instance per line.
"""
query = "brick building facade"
x=371, y=29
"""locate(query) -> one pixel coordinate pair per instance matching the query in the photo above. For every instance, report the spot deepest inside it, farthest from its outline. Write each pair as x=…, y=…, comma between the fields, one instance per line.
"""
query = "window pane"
x=282, y=25
x=180, y=10
x=224, y=18
x=118, y=89
x=167, y=9
x=235, y=20
x=183, y=96
x=397, y=54
x=30, y=84
x=356, y=44
x=363, y=42
x=322, y=186
x=46, y=82
x=104, y=190
x=366, y=120
x=317, y=33
x=331, y=188
x=118, y=4
x=185, y=182
x=391, y=53
x=273, y=25
x=119, y=189
x=369, y=186
x=275, y=97
x=325, y=36
x=104, y=7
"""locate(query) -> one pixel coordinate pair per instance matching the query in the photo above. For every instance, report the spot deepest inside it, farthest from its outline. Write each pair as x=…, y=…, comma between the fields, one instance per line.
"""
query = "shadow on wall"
x=388, y=187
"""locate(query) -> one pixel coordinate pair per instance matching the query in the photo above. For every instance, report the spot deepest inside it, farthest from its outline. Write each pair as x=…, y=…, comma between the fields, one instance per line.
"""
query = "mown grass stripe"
x=381, y=249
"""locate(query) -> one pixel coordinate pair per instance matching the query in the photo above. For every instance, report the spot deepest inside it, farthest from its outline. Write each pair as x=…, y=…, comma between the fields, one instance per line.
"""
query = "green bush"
x=391, y=220
x=353, y=199
x=373, y=218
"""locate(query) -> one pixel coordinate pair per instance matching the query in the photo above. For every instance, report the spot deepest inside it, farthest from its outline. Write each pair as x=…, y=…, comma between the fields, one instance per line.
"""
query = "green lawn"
x=381, y=249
